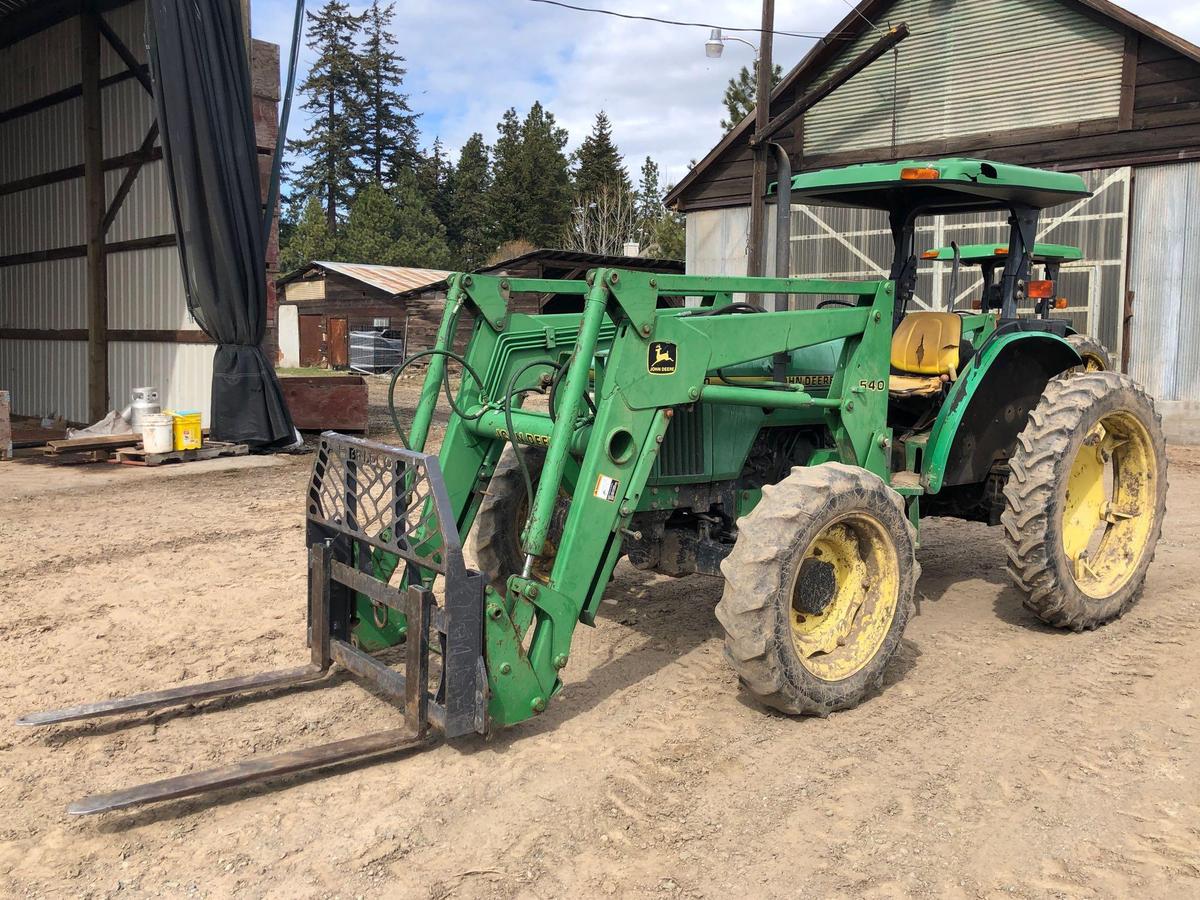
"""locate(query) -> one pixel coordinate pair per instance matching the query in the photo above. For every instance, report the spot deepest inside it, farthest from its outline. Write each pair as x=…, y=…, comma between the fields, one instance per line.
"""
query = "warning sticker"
x=606, y=488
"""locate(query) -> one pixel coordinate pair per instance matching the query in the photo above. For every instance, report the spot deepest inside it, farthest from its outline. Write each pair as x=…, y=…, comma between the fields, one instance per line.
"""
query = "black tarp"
x=202, y=95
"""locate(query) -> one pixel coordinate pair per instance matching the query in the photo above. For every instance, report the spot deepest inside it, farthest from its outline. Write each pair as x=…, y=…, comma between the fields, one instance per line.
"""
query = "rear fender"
x=988, y=405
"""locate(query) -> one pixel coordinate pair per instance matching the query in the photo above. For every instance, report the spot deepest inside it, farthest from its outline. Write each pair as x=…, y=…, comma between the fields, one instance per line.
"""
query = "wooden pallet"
x=211, y=450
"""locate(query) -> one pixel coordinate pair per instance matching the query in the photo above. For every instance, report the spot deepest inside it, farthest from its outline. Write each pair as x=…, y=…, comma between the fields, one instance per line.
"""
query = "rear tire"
x=818, y=589
x=1094, y=354
x=1081, y=535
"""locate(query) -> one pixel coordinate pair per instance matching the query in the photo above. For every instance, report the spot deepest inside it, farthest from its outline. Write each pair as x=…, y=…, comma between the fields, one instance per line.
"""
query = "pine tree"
x=469, y=231
x=504, y=198
x=531, y=188
x=309, y=239
x=740, y=93
x=386, y=126
x=433, y=172
x=330, y=95
x=371, y=229
x=420, y=237
x=598, y=162
x=648, y=200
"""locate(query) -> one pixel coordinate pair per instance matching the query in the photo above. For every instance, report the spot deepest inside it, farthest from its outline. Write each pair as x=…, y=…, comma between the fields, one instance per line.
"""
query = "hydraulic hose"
x=435, y=351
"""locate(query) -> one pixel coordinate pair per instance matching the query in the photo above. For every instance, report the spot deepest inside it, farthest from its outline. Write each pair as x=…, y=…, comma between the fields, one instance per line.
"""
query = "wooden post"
x=95, y=208
x=762, y=117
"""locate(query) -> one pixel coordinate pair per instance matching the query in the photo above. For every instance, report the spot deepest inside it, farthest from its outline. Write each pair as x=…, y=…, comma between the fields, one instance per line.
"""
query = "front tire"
x=1085, y=500
x=502, y=515
x=818, y=589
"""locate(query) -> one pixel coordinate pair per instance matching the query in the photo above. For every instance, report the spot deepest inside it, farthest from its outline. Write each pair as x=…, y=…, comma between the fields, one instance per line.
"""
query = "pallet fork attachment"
x=367, y=504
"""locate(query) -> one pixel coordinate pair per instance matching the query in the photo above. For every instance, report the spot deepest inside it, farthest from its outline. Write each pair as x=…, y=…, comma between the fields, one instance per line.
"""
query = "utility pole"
x=762, y=117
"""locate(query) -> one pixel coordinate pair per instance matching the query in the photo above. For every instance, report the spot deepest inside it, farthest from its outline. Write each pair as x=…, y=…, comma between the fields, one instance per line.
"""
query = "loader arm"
x=638, y=364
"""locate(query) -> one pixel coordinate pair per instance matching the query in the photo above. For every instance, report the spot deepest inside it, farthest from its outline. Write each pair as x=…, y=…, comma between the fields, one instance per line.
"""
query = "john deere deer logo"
x=662, y=357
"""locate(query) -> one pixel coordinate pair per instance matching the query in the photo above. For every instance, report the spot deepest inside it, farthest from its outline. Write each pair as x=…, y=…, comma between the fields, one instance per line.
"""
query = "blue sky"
x=469, y=60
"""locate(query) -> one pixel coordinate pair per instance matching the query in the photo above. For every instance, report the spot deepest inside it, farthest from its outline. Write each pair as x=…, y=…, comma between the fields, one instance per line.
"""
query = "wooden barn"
x=1077, y=85
x=426, y=303
x=321, y=304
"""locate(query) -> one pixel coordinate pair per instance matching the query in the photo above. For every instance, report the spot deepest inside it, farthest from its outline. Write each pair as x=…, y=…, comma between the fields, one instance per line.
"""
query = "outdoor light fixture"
x=714, y=46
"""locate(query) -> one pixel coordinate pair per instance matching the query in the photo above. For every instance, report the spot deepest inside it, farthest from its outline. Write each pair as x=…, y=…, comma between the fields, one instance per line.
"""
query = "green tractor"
x=792, y=453
x=989, y=258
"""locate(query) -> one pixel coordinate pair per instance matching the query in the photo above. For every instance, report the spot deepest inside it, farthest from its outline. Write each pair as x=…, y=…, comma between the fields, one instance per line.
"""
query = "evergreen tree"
x=433, y=178
x=420, y=237
x=386, y=127
x=531, y=188
x=309, y=239
x=740, y=93
x=371, y=229
x=648, y=200
x=330, y=95
x=598, y=162
x=394, y=228
x=667, y=237
x=504, y=198
x=469, y=230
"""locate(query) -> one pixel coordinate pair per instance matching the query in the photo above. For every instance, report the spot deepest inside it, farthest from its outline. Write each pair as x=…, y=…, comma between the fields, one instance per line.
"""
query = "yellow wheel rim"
x=1092, y=363
x=844, y=596
x=1110, y=505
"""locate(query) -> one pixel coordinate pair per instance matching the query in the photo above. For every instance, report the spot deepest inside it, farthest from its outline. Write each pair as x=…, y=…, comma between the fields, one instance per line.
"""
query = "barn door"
x=339, y=344
x=311, y=340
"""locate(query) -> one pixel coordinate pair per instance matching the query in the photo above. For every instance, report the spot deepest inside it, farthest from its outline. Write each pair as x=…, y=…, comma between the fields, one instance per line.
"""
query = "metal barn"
x=1080, y=85
x=91, y=297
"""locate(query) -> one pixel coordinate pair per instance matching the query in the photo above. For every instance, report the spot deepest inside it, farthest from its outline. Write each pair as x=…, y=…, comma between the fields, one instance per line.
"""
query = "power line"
x=620, y=15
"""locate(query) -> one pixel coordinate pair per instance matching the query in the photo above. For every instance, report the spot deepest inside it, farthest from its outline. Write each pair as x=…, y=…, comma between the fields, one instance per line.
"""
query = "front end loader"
x=674, y=421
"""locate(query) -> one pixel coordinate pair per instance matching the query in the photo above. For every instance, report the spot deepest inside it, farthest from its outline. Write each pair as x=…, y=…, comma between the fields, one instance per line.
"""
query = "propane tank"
x=145, y=403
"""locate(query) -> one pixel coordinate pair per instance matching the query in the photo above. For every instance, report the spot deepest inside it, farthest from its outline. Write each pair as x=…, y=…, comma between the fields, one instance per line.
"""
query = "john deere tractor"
x=791, y=452
x=989, y=258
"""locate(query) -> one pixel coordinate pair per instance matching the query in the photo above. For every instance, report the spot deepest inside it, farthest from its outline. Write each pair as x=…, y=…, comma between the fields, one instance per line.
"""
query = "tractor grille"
x=683, y=446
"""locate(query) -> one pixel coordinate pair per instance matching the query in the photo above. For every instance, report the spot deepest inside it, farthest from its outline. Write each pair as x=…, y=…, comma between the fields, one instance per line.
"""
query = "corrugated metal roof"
x=393, y=279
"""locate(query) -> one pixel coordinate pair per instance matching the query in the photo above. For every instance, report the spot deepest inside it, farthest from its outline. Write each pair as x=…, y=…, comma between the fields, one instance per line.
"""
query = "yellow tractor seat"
x=925, y=346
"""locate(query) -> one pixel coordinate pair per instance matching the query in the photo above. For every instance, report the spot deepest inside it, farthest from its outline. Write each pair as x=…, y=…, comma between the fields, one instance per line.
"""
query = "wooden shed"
x=425, y=304
x=321, y=304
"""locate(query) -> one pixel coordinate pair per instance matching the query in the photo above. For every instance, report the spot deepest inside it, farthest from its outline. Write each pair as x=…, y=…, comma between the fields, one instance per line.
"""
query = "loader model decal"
x=525, y=437
x=662, y=358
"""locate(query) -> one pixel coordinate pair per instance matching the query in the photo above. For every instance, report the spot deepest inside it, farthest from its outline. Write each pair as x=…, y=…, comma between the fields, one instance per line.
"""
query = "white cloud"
x=469, y=60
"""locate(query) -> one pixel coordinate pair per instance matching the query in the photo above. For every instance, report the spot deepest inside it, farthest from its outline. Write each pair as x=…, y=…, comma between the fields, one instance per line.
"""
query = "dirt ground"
x=1001, y=759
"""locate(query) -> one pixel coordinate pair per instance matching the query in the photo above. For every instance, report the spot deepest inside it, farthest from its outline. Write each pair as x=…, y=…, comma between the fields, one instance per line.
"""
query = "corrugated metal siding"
x=181, y=372
x=145, y=287
x=716, y=241
x=146, y=212
x=40, y=65
x=44, y=295
x=42, y=218
x=46, y=377
x=1031, y=62
x=43, y=141
x=1164, y=274
x=145, y=290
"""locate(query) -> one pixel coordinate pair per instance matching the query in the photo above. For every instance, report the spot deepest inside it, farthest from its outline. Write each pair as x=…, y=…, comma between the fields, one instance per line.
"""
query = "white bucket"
x=158, y=433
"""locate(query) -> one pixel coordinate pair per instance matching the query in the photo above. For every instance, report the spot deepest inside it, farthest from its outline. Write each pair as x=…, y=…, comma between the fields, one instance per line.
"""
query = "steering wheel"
x=835, y=302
